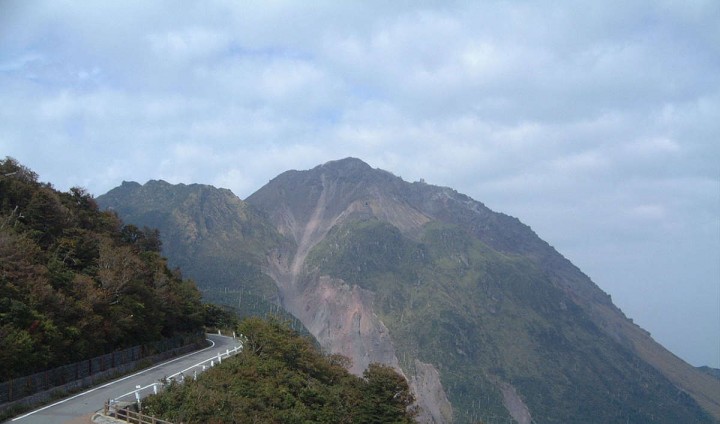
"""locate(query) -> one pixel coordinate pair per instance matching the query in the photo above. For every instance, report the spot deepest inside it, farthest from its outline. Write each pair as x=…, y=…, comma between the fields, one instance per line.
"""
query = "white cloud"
x=189, y=44
x=652, y=146
x=575, y=165
x=594, y=122
x=648, y=212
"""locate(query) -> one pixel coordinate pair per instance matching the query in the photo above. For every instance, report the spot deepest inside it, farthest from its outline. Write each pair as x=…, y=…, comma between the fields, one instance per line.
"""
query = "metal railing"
x=40, y=387
x=179, y=377
x=130, y=416
x=133, y=399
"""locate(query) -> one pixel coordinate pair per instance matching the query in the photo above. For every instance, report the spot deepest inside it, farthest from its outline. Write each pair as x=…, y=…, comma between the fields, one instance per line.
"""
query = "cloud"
x=594, y=122
x=189, y=44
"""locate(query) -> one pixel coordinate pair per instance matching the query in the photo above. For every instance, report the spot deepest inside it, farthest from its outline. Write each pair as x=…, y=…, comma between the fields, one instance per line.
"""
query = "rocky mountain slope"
x=485, y=319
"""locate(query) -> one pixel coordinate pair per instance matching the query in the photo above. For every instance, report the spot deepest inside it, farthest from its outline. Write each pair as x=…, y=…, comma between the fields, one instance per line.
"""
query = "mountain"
x=484, y=319
x=715, y=372
x=211, y=235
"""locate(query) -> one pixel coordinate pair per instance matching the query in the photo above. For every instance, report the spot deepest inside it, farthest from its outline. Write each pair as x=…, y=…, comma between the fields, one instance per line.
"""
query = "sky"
x=597, y=123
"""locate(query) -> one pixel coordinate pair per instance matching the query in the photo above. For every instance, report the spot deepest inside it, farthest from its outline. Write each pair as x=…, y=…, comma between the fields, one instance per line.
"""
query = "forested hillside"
x=216, y=239
x=75, y=282
x=281, y=377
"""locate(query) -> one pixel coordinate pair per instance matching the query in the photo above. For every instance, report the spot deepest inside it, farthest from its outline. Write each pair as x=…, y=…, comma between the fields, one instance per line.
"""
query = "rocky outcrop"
x=425, y=383
x=514, y=404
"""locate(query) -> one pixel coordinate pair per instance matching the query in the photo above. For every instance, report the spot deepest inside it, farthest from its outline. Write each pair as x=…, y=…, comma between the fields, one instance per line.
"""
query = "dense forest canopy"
x=281, y=377
x=75, y=282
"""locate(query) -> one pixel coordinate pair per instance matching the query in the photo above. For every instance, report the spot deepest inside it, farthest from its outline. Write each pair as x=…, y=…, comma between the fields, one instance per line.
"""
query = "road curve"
x=78, y=408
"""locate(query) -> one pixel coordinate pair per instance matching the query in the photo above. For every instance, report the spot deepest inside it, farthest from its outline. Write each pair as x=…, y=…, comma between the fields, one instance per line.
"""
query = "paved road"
x=77, y=408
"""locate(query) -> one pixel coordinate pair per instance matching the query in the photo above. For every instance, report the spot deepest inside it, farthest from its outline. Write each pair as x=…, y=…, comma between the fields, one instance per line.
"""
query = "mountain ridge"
x=322, y=214
x=214, y=237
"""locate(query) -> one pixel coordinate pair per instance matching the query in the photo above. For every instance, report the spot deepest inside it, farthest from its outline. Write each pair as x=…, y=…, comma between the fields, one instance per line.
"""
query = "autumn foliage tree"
x=75, y=282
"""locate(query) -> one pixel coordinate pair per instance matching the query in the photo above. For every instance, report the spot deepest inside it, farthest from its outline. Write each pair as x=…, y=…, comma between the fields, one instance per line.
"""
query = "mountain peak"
x=348, y=169
x=349, y=163
x=130, y=184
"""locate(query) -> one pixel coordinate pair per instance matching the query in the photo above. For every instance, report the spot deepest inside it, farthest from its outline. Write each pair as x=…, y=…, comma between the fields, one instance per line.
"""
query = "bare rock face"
x=514, y=404
x=341, y=318
x=340, y=315
x=426, y=385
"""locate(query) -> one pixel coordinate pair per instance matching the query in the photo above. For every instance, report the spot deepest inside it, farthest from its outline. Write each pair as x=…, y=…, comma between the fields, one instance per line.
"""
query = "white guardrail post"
x=180, y=376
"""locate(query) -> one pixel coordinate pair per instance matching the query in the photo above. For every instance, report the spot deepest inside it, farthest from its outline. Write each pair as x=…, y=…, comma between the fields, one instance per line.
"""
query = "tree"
x=10, y=167
x=281, y=376
x=145, y=239
x=387, y=396
x=73, y=284
x=116, y=268
x=46, y=215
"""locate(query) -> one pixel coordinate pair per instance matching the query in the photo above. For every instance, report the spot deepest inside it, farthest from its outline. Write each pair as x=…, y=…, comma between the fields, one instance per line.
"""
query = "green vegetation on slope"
x=485, y=318
x=282, y=377
x=75, y=282
x=216, y=239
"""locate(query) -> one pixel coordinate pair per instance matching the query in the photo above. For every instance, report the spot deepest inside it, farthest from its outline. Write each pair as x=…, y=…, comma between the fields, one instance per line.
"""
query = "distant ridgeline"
x=213, y=237
x=486, y=321
x=75, y=282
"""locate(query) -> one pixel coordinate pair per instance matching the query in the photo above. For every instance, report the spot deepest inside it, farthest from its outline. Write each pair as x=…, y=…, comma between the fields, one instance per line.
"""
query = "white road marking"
x=234, y=350
x=114, y=381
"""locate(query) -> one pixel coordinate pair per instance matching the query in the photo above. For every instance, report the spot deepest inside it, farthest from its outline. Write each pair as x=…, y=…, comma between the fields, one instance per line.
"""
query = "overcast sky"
x=597, y=123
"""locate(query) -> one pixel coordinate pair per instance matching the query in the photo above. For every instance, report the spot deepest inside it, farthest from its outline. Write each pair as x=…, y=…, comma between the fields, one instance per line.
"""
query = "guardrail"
x=83, y=373
x=25, y=392
x=180, y=376
x=133, y=417
x=133, y=399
